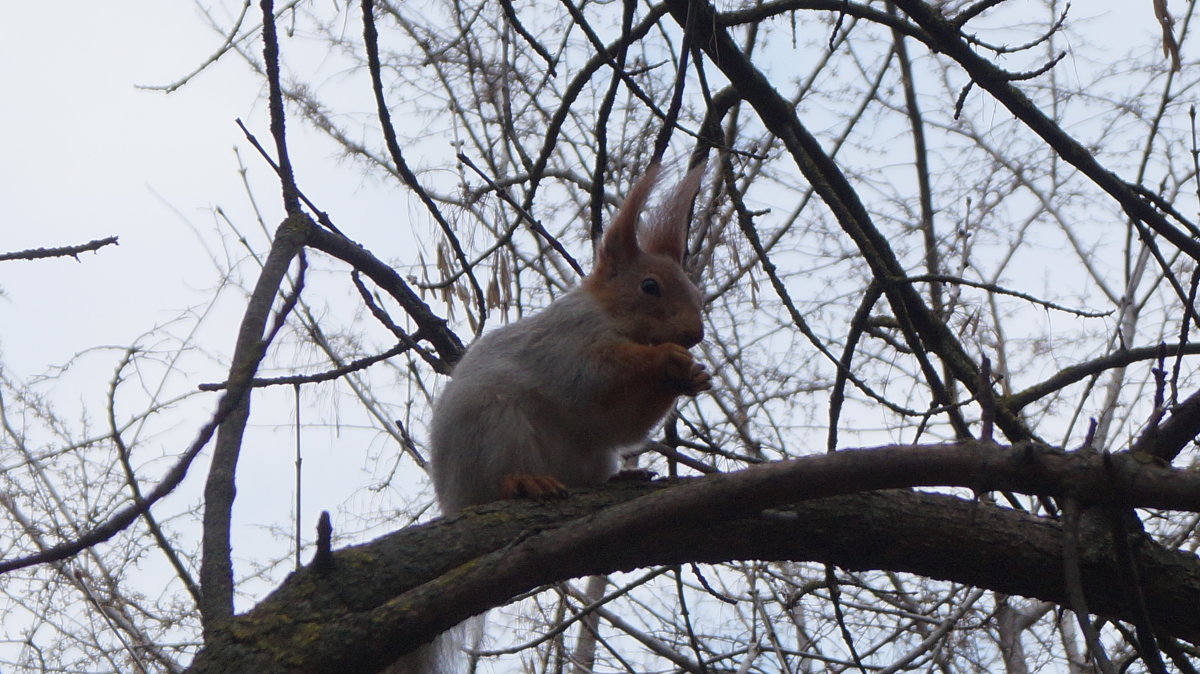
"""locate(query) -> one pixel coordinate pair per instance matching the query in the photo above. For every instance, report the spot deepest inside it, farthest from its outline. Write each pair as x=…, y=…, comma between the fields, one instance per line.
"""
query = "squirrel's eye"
x=650, y=287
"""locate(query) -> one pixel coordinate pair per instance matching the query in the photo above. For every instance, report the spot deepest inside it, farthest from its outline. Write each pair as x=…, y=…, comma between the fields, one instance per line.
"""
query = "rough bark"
x=383, y=598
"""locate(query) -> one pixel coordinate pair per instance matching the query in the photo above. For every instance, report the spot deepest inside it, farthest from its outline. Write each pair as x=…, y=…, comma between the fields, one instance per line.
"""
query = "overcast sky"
x=85, y=154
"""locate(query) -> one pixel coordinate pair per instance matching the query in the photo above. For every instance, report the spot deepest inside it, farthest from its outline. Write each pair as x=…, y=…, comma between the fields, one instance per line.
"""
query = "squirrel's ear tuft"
x=620, y=242
x=665, y=231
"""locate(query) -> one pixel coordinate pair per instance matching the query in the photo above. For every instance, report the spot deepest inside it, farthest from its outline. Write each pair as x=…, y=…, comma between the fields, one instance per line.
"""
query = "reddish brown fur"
x=652, y=377
x=654, y=366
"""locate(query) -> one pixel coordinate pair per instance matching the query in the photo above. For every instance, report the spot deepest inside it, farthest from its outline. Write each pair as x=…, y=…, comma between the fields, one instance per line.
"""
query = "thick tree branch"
x=216, y=567
x=410, y=585
x=1167, y=440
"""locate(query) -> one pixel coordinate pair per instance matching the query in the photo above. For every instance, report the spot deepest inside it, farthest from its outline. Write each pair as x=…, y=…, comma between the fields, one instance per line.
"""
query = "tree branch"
x=923, y=332
x=949, y=40
x=430, y=326
x=64, y=251
x=216, y=567
x=413, y=584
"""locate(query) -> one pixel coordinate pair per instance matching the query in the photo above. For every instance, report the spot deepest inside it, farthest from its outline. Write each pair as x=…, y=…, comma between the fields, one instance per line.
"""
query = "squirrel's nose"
x=692, y=337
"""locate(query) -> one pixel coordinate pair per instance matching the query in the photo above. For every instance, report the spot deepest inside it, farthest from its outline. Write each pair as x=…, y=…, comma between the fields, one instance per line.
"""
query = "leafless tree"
x=950, y=281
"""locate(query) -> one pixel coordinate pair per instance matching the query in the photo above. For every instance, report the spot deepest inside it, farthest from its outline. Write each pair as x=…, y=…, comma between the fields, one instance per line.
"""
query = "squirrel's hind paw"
x=634, y=475
x=532, y=486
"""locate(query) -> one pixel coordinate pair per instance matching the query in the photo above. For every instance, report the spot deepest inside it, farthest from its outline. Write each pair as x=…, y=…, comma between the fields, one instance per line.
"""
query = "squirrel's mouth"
x=687, y=338
x=687, y=342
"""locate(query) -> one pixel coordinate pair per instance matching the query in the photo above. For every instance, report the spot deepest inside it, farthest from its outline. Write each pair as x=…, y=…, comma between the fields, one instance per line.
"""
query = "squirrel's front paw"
x=684, y=372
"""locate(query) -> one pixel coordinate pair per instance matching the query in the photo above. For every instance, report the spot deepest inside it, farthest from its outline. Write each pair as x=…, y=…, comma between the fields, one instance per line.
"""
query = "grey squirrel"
x=548, y=402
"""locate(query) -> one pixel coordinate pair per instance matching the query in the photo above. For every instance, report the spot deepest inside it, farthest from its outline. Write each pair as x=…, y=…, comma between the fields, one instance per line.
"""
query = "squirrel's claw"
x=684, y=372
x=701, y=380
x=532, y=486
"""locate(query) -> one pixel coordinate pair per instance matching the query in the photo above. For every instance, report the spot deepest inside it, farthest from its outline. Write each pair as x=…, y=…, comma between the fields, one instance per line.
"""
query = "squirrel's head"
x=639, y=277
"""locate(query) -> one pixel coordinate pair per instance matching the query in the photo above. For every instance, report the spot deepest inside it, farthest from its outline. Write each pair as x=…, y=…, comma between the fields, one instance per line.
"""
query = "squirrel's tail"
x=435, y=657
x=444, y=654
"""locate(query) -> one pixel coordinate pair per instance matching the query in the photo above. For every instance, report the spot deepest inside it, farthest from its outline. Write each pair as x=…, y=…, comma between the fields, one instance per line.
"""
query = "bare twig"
x=287, y=179
x=231, y=36
x=951, y=42
x=135, y=489
x=1075, y=373
x=510, y=14
x=835, y=593
x=600, y=133
x=371, y=42
x=999, y=290
x=64, y=251
x=119, y=520
x=536, y=226
x=328, y=375
x=1073, y=581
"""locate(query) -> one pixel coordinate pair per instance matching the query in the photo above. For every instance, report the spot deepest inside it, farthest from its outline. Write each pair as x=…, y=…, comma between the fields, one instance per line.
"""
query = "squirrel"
x=548, y=402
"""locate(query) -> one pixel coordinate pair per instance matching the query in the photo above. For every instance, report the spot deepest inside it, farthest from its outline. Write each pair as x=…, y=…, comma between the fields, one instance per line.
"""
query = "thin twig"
x=123, y=456
x=536, y=226
x=371, y=42
x=64, y=251
x=835, y=593
x=999, y=290
x=287, y=179
x=231, y=36
x=121, y=519
x=1073, y=583
x=510, y=14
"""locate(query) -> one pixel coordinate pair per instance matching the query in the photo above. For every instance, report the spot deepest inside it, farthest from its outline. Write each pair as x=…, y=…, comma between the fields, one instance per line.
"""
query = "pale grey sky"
x=84, y=155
